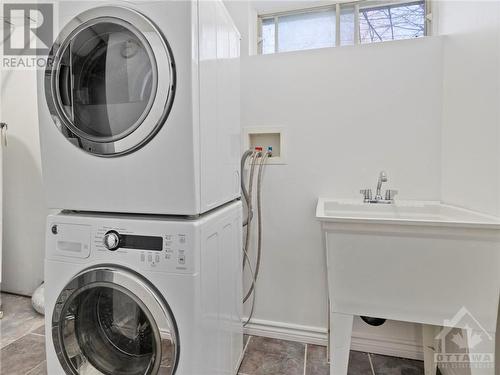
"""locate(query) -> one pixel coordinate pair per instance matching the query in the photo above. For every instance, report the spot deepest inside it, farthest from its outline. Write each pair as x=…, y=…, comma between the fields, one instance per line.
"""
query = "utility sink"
x=421, y=262
x=402, y=213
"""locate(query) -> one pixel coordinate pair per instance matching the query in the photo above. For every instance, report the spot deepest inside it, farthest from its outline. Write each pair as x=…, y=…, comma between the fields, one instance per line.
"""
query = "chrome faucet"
x=381, y=179
x=389, y=194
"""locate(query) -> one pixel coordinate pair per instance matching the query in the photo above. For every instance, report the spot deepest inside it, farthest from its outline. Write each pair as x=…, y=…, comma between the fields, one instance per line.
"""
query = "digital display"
x=128, y=241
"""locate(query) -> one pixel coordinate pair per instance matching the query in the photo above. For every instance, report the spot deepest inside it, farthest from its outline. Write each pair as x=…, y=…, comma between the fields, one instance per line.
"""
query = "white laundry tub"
x=422, y=262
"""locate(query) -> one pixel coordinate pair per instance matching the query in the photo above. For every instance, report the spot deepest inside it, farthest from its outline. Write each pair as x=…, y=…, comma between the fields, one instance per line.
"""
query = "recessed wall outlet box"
x=266, y=137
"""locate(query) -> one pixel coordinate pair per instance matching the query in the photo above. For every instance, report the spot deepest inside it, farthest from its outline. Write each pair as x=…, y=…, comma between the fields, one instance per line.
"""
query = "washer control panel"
x=165, y=252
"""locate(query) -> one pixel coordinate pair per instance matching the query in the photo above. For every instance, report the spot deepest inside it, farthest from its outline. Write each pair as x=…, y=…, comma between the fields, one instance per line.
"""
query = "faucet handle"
x=390, y=194
x=367, y=194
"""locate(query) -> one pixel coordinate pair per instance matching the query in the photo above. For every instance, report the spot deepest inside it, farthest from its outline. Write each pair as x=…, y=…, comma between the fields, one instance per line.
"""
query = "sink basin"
x=421, y=262
x=402, y=212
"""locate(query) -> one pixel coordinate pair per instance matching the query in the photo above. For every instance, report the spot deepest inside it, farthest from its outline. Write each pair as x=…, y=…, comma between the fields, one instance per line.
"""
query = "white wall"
x=24, y=210
x=471, y=98
x=471, y=104
x=348, y=113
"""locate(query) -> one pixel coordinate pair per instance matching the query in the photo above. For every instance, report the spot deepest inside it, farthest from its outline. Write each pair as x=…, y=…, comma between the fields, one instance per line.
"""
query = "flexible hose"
x=244, y=190
x=259, y=227
x=253, y=159
x=247, y=259
x=248, y=200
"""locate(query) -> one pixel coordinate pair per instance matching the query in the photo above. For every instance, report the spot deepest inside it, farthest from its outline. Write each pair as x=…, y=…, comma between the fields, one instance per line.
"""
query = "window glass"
x=306, y=31
x=268, y=35
x=376, y=21
x=393, y=22
x=347, y=25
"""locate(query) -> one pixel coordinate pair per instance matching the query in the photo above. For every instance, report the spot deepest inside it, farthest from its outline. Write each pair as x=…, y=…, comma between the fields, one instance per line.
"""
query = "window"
x=298, y=31
x=342, y=24
x=392, y=22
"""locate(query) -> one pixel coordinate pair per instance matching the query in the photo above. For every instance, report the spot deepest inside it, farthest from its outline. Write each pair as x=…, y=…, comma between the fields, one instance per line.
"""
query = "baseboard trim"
x=378, y=344
x=319, y=336
x=285, y=331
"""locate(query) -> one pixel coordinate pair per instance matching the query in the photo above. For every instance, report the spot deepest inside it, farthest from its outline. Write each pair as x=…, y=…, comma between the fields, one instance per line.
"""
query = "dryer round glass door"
x=111, y=81
x=110, y=321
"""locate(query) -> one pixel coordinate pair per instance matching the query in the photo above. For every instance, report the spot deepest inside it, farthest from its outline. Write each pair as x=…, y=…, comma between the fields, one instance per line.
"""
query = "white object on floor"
x=159, y=132
x=141, y=284
x=38, y=299
x=421, y=262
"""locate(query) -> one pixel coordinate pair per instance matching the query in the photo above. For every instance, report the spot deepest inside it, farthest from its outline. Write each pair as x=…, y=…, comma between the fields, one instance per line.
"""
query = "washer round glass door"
x=110, y=321
x=111, y=80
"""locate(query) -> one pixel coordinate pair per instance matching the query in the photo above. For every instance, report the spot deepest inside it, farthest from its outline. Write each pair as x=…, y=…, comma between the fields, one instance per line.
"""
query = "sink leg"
x=340, y=342
x=428, y=340
x=487, y=346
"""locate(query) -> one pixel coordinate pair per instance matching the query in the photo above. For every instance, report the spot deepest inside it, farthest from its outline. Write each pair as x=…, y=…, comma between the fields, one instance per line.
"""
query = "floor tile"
x=359, y=364
x=39, y=330
x=41, y=369
x=22, y=355
x=19, y=318
x=317, y=362
x=22, y=339
x=266, y=356
x=384, y=365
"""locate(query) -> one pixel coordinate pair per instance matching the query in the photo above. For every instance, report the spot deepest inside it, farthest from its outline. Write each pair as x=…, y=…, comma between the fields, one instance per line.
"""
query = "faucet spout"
x=381, y=179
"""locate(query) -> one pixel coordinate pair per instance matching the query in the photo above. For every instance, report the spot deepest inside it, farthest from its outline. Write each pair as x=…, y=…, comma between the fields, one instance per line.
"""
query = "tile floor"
x=23, y=350
x=264, y=356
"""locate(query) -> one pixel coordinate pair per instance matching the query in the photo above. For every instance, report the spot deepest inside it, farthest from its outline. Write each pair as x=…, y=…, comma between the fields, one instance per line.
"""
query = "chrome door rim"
x=153, y=118
x=133, y=286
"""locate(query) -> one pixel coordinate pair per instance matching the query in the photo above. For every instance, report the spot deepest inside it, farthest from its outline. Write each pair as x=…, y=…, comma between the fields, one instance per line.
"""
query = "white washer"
x=139, y=107
x=144, y=295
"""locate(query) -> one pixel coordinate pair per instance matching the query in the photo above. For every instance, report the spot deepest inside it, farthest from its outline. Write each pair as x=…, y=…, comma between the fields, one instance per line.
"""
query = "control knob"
x=111, y=240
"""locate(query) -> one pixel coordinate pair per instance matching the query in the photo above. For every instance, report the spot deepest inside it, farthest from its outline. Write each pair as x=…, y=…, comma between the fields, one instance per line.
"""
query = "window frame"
x=336, y=7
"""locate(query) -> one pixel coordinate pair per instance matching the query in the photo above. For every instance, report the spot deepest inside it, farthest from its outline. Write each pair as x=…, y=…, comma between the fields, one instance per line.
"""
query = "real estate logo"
x=464, y=343
x=28, y=33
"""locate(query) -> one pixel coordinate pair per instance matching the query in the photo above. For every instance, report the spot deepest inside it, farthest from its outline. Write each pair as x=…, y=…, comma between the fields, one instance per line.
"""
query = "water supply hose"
x=249, y=203
x=244, y=190
x=259, y=225
x=248, y=219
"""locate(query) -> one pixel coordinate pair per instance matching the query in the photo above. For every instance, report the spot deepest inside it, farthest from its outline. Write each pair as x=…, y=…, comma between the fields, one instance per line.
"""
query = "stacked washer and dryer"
x=140, y=136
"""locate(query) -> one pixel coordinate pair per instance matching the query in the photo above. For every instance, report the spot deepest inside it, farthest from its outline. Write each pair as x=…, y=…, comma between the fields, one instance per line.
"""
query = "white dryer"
x=139, y=107
x=144, y=295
